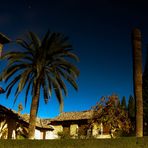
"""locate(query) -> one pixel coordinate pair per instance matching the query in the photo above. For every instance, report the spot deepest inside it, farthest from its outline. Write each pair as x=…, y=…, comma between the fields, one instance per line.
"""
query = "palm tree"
x=41, y=64
x=137, y=73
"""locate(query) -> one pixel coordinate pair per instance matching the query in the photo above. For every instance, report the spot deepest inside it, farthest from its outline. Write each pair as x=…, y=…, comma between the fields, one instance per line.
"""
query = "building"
x=77, y=125
x=14, y=125
x=72, y=123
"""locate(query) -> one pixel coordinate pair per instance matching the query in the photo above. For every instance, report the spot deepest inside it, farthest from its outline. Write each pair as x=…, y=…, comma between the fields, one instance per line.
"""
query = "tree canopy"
x=110, y=113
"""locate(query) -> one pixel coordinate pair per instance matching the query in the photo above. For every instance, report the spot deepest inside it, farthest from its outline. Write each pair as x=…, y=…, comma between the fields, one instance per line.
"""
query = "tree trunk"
x=137, y=73
x=33, y=113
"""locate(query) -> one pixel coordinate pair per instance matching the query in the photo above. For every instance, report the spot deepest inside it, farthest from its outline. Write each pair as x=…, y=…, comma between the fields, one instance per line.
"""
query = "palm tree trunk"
x=33, y=113
x=137, y=73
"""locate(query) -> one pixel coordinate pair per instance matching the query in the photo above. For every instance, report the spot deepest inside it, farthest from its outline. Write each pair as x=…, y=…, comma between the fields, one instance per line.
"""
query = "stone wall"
x=74, y=130
x=57, y=128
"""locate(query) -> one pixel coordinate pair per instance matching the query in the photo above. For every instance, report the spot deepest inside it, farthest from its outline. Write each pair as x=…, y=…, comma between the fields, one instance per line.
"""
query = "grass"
x=130, y=142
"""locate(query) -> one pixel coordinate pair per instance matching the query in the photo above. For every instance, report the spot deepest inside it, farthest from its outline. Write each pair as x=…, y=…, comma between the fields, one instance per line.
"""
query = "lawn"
x=130, y=142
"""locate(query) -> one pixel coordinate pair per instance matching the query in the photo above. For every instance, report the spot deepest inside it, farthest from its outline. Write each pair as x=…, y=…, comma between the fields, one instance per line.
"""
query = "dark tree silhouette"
x=123, y=102
x=132, y=112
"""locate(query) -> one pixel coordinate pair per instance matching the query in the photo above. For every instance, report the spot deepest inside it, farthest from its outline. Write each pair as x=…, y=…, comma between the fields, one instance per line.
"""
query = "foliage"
x=21, y=131
x=20, y=108
x=41, y=65
x=64, y=135
x=123, y=102
x=43, y=60
x=83, y=132
x=111, y=114
x=20, y=137
x=132, y=107
x=132, y=113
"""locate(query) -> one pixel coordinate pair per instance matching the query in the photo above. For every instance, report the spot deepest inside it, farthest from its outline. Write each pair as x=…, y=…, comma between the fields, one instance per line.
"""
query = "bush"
x=64, y=135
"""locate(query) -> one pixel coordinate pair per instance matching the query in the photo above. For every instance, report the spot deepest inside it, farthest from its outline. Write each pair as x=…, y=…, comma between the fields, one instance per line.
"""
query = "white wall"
x=51, y=135
x=38, y=134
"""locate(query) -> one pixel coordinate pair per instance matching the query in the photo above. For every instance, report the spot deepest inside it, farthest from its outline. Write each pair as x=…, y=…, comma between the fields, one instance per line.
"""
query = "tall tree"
x=145, y=95
x=132, y=111
x=40, y=64
x=123, y=102
x=131, y=107
x=137, y=75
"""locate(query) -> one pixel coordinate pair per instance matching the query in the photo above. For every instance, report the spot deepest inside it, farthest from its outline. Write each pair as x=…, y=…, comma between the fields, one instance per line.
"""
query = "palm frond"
x=24, y=44
x=24, y=79
x=71, y=55
x=57, y=90
x=27, y=90
x=45, y=39
x=61, y=83
x=11, y=85
x=46, y=62
x=11, y=70
x=69, y=79
x=35, y=40
x=59, y=96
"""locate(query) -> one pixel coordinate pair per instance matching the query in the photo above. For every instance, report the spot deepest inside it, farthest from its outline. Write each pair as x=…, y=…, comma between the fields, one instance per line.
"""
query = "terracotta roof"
x=40, y=123
x=45, y=123
x=65, y=116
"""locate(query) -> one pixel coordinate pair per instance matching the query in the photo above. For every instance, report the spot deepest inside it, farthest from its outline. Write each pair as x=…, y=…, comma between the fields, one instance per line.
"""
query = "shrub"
x=64, y=135
x=109, y=112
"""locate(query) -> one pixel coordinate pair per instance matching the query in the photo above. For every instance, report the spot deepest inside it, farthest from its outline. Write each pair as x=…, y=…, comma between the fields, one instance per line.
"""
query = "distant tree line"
x=130, y=106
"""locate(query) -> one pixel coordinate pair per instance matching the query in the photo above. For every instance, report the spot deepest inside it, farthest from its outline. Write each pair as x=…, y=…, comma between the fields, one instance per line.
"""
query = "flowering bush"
x=109, y=112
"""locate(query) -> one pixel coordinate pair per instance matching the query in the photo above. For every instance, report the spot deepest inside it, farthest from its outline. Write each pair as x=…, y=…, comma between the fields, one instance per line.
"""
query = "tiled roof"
x=45, y=123
x=65, y=116
x=41, y=123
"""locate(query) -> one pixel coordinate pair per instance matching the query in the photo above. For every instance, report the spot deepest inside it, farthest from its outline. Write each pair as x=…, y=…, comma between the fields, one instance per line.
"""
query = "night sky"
x=100, y=32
